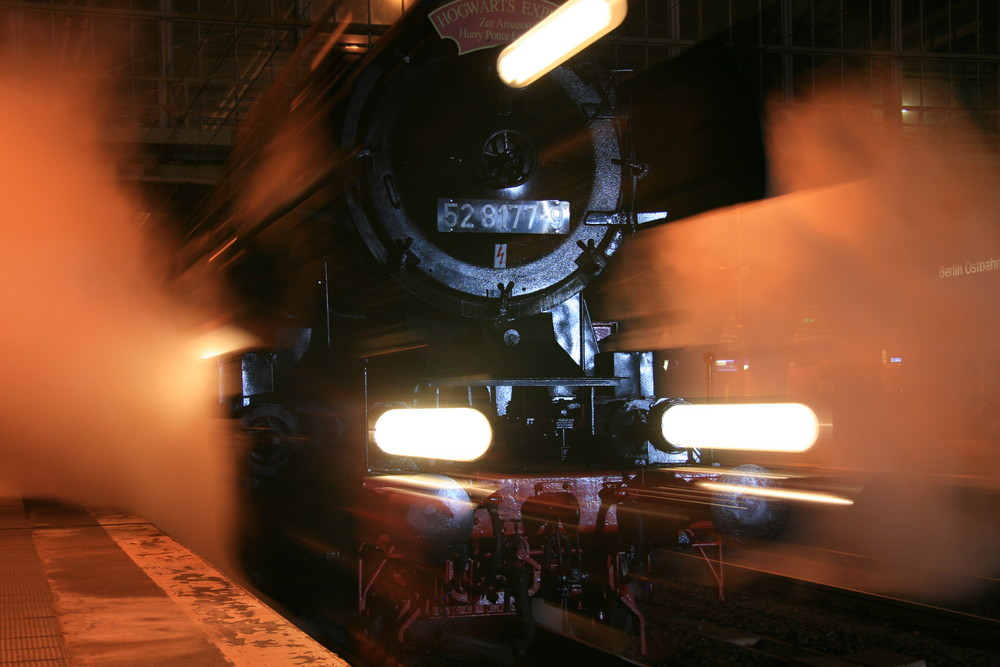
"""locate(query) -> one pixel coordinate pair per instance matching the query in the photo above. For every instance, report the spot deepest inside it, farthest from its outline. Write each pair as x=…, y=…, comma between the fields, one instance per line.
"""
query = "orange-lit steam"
x=864, y=286
x=103, y=401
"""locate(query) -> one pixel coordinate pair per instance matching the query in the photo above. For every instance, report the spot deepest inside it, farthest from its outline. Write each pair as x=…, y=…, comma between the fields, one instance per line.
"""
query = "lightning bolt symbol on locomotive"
x=500, y=257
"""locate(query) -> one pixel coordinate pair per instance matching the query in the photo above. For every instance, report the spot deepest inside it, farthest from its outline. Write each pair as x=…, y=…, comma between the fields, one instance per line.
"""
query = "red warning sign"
x=480, y=24
x=500, y=256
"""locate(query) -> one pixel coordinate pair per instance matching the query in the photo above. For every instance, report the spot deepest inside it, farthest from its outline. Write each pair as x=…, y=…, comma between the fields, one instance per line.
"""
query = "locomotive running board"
x=619, y=218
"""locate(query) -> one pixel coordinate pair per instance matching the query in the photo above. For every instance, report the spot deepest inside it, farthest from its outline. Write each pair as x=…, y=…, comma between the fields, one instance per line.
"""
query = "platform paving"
x=88, y=587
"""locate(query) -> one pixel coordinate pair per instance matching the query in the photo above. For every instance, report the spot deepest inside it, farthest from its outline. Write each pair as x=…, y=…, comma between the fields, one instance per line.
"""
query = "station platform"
x=81, y=587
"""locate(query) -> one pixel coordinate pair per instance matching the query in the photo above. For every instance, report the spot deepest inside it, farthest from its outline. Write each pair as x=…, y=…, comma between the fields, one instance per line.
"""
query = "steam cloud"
x=105, y=402
x=879, y=239
x=864, y=286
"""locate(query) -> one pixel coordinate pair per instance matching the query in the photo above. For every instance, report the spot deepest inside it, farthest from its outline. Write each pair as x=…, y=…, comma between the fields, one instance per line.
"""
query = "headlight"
x=778, y=427
x=451, y=434
x=559, y=36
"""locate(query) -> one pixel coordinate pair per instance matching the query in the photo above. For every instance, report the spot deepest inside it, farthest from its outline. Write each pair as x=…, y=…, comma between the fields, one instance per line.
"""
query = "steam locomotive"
x=431, y=409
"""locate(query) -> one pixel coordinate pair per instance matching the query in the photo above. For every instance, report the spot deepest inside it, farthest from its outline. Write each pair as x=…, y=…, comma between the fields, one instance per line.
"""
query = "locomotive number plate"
x=494, y=216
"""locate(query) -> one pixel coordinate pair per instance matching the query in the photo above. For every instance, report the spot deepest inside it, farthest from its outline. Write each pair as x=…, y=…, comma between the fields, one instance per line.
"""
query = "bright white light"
x=777, y=427
x=786, y=494
x=451, y=434
x=561, y=35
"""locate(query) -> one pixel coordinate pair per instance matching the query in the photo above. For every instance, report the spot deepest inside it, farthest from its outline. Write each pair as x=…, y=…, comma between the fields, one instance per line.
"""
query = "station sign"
x=481, y=24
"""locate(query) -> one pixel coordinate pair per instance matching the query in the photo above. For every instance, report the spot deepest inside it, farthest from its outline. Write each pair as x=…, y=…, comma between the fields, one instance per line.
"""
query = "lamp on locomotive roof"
x=558, y=37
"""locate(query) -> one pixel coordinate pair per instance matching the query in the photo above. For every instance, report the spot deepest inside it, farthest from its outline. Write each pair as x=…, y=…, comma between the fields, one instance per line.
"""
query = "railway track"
x=765, y=619
x=770, y=619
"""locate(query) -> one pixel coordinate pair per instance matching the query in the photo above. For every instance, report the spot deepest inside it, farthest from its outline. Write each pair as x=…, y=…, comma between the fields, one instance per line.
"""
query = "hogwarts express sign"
x=480, y=24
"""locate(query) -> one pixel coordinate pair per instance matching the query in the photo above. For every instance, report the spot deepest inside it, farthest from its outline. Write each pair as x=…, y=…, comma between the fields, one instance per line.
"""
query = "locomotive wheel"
x=269, y=427
x=521, y=629
x=376, y=640
x=747, y=518
x=632, y=541
x=620, y=618
x=603, y=620
x=631, y=567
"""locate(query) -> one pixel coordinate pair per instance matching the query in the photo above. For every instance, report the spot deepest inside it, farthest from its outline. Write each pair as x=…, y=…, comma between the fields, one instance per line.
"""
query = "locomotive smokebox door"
x=484, y=185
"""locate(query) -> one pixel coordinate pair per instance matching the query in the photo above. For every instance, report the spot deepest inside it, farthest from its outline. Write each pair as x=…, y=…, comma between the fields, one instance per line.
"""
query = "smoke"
x=864, y=286
x=105, y=402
